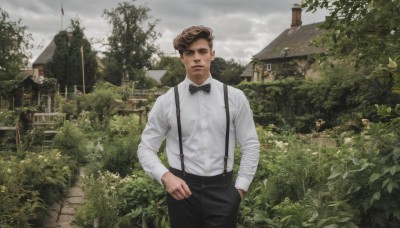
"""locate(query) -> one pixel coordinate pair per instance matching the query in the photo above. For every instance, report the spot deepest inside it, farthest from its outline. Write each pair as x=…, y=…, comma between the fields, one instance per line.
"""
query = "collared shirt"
x=203, y=123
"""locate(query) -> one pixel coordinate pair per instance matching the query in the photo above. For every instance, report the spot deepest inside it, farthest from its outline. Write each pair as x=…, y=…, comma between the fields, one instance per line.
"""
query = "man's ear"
x=212, y=55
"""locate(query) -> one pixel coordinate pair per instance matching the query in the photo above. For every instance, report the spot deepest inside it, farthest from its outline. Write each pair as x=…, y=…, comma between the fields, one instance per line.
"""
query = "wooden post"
x=49, y=103
x=96, y=223
x=38, y=98
x=83, y=71
x=140, y=117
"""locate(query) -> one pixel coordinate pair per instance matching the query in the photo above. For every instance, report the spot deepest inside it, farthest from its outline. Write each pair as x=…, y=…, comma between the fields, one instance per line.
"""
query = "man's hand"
x=242, y=193
x=175, y=186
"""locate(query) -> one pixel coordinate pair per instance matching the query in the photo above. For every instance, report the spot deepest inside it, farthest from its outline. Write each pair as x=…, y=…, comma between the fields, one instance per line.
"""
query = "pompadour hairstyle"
x=191, y=34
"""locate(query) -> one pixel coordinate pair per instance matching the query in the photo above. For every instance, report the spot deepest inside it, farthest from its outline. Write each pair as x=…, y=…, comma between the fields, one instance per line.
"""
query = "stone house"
x=287, y=55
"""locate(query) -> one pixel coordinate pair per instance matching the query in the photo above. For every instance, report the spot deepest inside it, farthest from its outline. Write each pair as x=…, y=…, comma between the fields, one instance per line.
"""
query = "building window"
x=269, y=66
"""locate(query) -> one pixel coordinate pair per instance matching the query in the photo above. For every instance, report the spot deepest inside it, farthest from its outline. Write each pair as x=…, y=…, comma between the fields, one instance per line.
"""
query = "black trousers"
x=214, y=202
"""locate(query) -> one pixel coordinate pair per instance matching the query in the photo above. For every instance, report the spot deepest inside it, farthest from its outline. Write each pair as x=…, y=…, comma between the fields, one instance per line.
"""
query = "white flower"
x=348, y=140
x=3, y=188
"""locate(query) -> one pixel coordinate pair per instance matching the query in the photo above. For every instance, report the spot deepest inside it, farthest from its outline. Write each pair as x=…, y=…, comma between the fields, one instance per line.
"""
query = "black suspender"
x=178, y=118
x=227, y=127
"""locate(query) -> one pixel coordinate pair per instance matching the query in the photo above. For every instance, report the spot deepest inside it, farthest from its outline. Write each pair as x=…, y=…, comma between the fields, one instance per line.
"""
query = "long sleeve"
x=151, y=140
x=247, y=138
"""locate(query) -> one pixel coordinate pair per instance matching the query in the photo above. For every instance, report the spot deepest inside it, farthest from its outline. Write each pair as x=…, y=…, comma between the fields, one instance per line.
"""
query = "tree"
x=175, y=70
x=131, y=43
x=226, y=71
x=14, y=42
x=66, y=64
x=231, y=73
x=366, y=31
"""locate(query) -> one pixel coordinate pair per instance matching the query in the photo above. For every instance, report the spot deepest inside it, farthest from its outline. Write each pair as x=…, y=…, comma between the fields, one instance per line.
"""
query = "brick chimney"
x=296, y=16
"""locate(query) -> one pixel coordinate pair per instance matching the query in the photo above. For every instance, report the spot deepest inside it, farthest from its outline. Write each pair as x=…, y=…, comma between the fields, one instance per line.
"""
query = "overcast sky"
x=241, y=27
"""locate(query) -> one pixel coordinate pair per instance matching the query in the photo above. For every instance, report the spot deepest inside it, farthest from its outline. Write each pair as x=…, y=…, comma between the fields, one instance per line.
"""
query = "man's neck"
x=198, y=80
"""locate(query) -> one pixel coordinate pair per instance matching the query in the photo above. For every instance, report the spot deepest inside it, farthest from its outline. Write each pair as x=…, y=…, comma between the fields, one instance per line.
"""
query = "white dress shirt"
x=203, y=123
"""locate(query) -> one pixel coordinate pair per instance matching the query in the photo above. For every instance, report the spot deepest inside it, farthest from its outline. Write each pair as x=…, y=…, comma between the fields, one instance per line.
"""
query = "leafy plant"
x=71, y=141
x=28, y=185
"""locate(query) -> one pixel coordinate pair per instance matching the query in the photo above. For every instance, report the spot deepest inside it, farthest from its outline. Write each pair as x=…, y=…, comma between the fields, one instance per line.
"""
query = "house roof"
x=248, y=71
x=28, y=81
x=156, y=74
x=296, y=42
x=46, y=55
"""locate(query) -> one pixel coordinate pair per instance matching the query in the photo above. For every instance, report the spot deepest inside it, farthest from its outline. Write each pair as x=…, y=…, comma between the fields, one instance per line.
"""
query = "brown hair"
x=190, y=35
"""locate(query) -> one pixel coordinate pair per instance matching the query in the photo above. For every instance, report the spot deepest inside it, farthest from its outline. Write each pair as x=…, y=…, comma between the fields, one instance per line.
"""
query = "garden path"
x=62, y=214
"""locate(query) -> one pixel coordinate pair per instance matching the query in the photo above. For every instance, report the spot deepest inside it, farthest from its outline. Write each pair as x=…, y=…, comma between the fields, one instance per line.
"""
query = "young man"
x=202, y=120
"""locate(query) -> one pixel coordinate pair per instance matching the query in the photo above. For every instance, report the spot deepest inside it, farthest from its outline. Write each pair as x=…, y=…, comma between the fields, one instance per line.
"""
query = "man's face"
x=197, y=60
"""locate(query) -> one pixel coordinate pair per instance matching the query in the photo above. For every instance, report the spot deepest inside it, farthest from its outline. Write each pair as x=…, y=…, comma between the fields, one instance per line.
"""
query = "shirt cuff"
x=158, y=172
x=242, y=183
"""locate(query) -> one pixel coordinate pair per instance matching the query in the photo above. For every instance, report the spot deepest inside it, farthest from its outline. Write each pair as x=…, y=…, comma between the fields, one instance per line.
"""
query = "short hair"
x=190, y=35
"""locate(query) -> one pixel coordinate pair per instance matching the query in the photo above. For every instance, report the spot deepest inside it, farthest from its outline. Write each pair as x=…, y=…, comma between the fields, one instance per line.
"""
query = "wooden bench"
x=140, y=111
x=48, y=120
x=48, y=123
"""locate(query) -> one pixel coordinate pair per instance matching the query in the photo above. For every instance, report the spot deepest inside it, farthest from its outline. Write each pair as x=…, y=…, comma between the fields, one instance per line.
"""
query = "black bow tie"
x=206, y=88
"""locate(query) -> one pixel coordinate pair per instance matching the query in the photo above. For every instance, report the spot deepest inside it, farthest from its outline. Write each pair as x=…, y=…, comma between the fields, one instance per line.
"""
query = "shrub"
x=29, y=185
x=127, y=202
x=71, y=142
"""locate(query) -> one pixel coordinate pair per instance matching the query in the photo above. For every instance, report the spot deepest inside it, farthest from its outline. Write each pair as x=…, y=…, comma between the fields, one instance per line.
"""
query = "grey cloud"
x=242, y=28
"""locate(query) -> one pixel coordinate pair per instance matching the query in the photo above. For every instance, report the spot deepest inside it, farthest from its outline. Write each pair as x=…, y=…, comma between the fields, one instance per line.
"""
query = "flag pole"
x=62, y=15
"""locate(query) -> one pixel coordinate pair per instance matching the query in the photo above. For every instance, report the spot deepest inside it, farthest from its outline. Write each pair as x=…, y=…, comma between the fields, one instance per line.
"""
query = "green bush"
x=28, y=186
x=367, y=174
x=101, y=201
x=342, y=95
x=127, y=202
x=8, y=118
x=101, y=104
x=71, y=142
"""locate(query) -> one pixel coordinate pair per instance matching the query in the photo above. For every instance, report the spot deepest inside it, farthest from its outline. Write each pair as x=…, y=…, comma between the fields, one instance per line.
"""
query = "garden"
x=329, y=157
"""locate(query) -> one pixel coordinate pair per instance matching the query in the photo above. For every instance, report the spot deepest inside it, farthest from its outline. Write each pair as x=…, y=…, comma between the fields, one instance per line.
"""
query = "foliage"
x=66, y=64
x=366, y=31
x=48, y=86
x=68, y=106
x=120, y=145
x=71, y=142
x=14, y=43
x=101, y=201
x=143, y=82
x=126, y=202
x=28, y=185
x=226, y=71
x=340, y=96
x=32, y=139
x=8, y=118
x=101, y=103
x=131, y=43
x=175, y=70
x=367, y=176
x=144, y=201
x=8, y=87
x=112, y=73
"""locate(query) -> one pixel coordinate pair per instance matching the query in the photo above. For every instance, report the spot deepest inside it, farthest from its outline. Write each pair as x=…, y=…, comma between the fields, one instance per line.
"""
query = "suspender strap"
x=227, y=128
x=178, y=118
